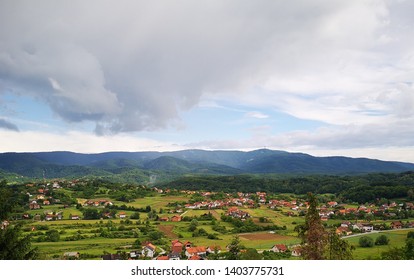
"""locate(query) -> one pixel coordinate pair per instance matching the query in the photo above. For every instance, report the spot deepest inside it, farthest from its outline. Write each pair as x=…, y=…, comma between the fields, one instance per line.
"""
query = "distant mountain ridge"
x=64, y=164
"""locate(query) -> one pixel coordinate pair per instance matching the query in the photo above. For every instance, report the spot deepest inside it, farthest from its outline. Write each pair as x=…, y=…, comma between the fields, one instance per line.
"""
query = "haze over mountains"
x=142, y=164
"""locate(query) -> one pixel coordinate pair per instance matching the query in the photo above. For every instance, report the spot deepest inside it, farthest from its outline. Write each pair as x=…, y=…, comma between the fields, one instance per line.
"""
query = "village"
x=226, y=212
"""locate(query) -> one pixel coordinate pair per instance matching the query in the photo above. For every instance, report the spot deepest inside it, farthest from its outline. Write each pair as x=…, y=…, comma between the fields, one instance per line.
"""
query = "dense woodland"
x=361, y=189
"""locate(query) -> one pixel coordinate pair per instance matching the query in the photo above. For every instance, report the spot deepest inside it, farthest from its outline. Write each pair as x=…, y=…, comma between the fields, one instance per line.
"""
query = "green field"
x=397, y=239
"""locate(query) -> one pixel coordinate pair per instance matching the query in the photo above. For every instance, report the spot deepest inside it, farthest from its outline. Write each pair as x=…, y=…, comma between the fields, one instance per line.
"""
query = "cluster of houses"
x=181, y=251
x=178, y=251
x=237, y=213
x=175, y=218
x=97, y=203
x=242, y=199
x=348, y=228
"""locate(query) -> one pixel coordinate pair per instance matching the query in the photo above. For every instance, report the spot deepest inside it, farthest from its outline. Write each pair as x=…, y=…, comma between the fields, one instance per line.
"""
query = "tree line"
x=358, y=188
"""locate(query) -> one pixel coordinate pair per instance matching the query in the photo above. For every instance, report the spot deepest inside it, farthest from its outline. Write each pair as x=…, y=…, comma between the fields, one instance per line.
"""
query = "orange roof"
x=281, y=247
x=195, y=250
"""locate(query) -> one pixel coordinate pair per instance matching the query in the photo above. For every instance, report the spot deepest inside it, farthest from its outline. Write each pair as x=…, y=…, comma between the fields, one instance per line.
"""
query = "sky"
x=314, y=76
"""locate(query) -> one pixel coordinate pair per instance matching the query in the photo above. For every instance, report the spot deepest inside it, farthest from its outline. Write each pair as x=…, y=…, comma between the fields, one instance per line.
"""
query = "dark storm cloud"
x=8, y=125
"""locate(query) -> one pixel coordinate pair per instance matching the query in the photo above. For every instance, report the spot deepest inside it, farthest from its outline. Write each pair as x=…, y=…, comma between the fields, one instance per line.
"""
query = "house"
x=148, y=250
x=367, y=227
x=176, y=246
x=332, y=203
x=195, y=258
x=74, y=217
x=343, y=231
x=163, y=219
x=199, y=251
x=122, y=215
x=363, y=227
x=134, y=254
x=213, y=249
x=188, y=244
x=176, y=218
x=71, y=255
x=296, y=251
x=397, y=225
x=174, y=256
x=279, y=248
x=346, y=224
x=34, y=205
x=163, y=258
x=49, y=217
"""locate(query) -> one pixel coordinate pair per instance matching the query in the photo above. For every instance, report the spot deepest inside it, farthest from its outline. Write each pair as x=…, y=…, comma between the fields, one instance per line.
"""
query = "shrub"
x=382, y=240
x=366, y=241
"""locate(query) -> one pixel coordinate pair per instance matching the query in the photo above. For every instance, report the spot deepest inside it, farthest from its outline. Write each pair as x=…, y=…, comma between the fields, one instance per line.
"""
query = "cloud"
x=136, y=65
x=34, y=141
x=256, y=115
x=8, y=125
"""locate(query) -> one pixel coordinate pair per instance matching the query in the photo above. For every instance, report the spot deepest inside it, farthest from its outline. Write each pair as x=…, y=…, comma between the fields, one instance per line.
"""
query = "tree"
x=314, y=236
x=15, y=247
x=318, y=244
x=53, y=235
x=409, y=249
x=382, y=240
x=234, y=249
x=393, y=254
x=193, y=225
x=251, y=254
x=90, y=214
x=338, y=249
x=366, y=241
x=6, y=200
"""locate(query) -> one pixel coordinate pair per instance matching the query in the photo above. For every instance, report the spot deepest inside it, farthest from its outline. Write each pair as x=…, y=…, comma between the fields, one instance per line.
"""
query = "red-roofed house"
x=149, y=250
x=176, y=246
x=279, y=248
x=176, y=218
x=194, y=258
x=200, y=251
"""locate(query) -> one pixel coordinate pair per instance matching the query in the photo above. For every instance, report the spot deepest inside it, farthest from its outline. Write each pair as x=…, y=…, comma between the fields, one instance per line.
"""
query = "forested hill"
x=141, y=164
x=357, y=188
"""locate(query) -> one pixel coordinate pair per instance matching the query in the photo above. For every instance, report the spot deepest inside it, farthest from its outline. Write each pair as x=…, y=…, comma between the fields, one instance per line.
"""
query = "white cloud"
x=135, y=65
x=34, y=141
x=256, y=115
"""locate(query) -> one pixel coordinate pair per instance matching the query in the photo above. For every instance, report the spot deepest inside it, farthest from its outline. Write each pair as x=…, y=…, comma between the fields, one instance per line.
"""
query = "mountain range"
x=139, y=166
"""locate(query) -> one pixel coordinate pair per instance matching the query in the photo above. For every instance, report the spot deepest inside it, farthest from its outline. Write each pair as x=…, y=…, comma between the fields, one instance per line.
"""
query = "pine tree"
x=234, y=249
x=314, y=236
x=338, y=248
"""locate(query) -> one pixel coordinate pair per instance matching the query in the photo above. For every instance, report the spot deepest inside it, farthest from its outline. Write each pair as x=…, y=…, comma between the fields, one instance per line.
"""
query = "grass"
x=95, y=246
x=157, y=202
x=397, y=239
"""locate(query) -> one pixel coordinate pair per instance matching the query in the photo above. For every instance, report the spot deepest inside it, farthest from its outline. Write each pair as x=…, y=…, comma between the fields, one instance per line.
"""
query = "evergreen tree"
x=314, y=236
x=234, y=249
x=318, y=244
x=338, y=248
